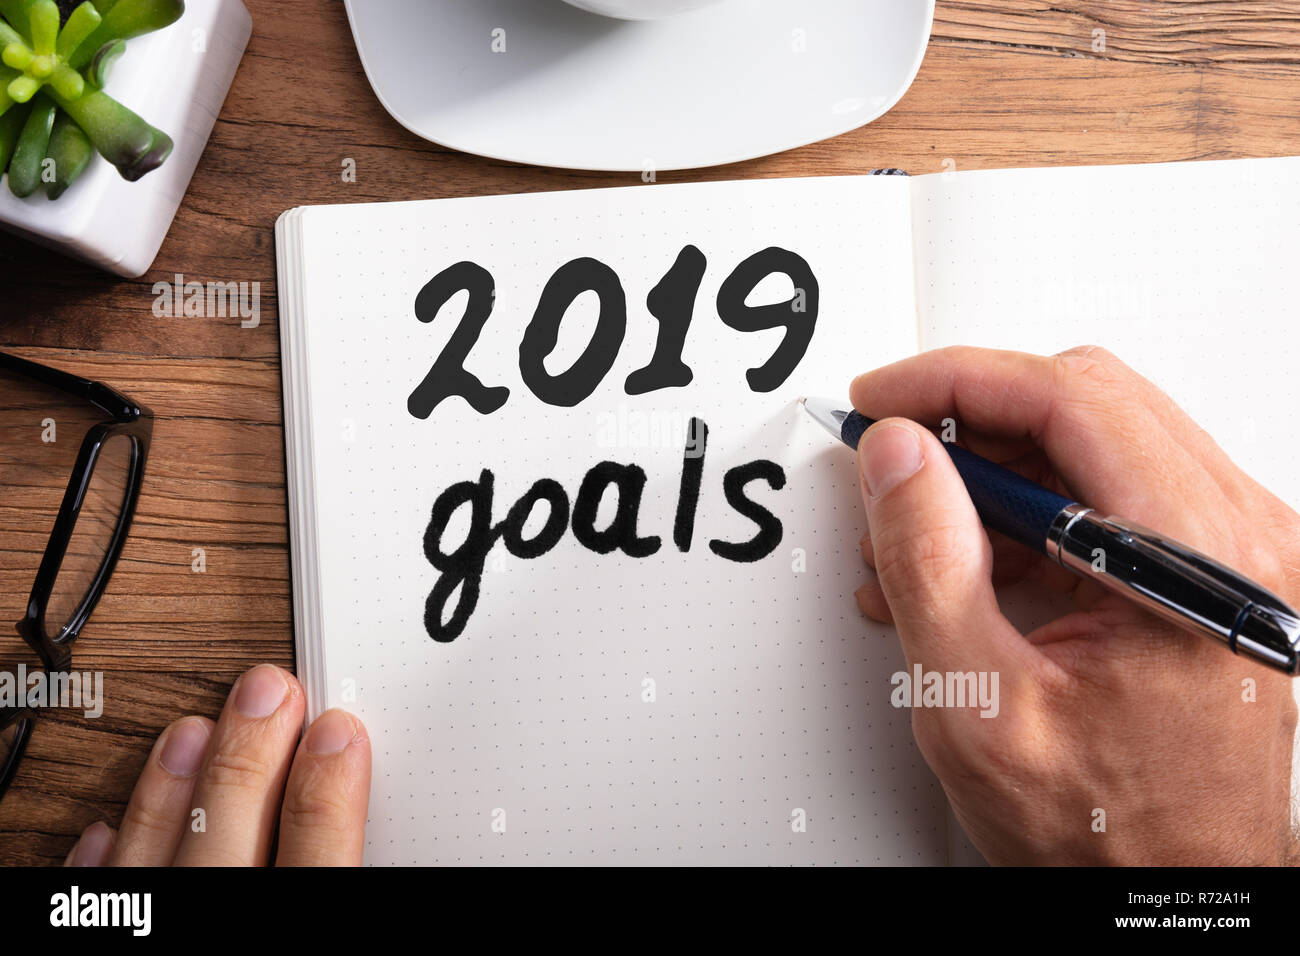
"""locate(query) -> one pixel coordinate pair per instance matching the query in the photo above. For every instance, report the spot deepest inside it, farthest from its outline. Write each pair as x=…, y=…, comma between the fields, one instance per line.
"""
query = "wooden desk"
x=1005, y=83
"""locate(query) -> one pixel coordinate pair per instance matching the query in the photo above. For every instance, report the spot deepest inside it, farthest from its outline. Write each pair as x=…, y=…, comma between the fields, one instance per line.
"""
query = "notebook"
x=563, y=539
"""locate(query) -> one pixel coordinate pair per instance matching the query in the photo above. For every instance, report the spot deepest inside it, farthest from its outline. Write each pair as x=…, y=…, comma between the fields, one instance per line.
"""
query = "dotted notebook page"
x=674, y=707
x=1186, y=271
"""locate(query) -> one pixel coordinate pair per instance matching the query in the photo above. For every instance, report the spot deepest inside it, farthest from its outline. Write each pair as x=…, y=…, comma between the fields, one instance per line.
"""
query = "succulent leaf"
x=46, y=58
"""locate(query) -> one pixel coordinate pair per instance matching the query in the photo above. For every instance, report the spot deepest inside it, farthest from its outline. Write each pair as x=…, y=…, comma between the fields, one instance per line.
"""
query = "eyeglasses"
x=72, y=456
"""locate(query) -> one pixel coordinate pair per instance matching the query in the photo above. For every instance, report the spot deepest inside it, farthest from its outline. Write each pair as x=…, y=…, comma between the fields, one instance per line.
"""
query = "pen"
x=1170, y=579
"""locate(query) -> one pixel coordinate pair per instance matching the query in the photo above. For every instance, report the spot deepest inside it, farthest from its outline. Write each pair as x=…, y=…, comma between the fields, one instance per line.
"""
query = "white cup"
x=639, y=9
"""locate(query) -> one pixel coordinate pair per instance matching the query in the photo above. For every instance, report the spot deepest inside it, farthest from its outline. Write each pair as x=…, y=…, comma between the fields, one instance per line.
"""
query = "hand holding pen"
x=1120, y=737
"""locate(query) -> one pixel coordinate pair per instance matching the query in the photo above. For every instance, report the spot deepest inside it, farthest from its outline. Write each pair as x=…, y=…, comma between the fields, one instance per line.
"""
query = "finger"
x=242, y=779
x=1094, y=364
x=159, y=811
x=1093, y=416
x=932, y=556
x=93, y=847
x=1001, y=394
x=1012, y=563
x=1005, y=451
x=323, y=822
x=871, y=600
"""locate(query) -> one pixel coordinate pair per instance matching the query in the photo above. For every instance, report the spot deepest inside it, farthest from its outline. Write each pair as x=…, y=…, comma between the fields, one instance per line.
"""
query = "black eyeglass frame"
x=122, y=417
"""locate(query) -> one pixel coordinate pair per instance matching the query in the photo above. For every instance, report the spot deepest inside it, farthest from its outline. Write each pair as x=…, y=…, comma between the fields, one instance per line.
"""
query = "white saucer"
x=732, y=81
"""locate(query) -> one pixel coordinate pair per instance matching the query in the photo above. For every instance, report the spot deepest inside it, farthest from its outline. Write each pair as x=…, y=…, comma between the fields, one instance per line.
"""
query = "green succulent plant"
x=54, y=59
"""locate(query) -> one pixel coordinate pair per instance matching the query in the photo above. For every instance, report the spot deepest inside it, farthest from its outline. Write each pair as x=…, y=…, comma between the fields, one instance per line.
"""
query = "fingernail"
x=93, y=847
x=261, y=691
x=332, y=731
x=888, y=455
x=183, y=750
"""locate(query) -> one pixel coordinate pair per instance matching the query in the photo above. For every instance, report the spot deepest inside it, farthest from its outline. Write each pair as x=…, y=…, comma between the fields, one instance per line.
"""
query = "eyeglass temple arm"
x=97, y=393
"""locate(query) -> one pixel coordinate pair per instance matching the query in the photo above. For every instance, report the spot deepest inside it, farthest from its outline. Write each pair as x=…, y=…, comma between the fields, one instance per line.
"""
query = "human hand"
x=245, y=773
x=1109, y=707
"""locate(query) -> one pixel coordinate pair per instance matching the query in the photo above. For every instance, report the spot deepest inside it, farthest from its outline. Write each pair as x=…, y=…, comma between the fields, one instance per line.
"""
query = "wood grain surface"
x=1004, y=83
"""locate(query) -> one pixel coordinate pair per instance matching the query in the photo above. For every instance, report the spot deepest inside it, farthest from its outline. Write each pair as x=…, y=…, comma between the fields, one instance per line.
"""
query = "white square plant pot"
x=176, y=79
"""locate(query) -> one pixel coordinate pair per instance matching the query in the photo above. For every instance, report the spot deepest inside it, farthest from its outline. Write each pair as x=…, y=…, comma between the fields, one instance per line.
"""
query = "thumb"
x=932, y=556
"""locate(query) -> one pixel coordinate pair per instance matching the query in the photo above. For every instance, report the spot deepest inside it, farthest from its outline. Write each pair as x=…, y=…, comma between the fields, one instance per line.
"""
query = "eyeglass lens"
x=41, y=432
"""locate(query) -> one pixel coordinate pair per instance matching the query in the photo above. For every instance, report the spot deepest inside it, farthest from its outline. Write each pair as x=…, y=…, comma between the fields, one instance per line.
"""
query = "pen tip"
x=803, y=400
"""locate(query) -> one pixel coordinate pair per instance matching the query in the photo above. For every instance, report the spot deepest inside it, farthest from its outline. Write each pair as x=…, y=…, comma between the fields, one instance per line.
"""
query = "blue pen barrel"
x=1007, y=503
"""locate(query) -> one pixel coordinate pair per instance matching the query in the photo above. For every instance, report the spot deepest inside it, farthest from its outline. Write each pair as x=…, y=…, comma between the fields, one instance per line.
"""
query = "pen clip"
x=1202, y=563
x=1263, y=626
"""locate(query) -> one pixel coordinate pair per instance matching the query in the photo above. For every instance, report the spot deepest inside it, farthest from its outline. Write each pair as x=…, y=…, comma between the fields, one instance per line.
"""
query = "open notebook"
x=563, y=539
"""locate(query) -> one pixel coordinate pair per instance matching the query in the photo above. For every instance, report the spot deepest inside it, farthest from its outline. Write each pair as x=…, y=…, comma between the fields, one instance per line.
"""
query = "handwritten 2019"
x=672, y=303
